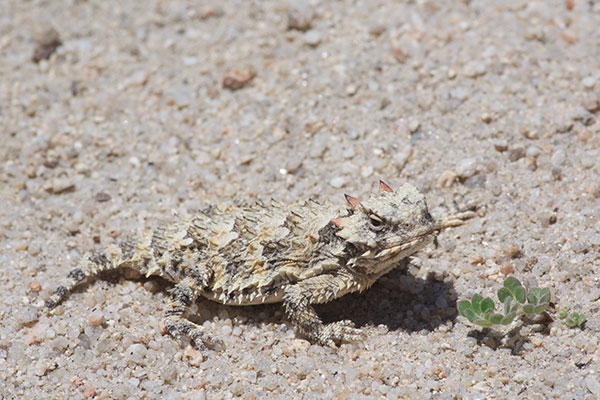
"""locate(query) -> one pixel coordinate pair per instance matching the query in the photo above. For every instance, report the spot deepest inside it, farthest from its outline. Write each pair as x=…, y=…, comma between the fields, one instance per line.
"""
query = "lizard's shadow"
x=398, y=300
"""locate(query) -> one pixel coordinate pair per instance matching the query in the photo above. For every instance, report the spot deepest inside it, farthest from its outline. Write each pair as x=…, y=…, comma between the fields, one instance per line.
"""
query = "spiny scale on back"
x=299, y=254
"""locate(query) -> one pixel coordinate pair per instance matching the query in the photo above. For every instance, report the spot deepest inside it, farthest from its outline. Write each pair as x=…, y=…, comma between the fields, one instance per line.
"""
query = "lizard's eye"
x=375, y=223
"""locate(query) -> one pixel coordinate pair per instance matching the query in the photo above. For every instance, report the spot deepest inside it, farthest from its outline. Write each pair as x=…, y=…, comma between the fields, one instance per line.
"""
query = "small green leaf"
x=575, y=319
x=538, y=296
x=483, y=322
x=487, y=305
x=503, y=294
x=520, y=294
x=476, y=303
x=507, y=308
x=495, y=319
x=529, y=309
x=512, y=287
x=562, y=314
x=512, y=283
x=507, y=320
x=470, y=315
x=465, y=306
x=540, y=309
x=545, y=297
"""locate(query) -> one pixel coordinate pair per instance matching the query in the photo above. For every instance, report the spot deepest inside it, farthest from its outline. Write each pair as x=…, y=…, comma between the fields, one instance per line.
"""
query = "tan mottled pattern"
x=299, y=254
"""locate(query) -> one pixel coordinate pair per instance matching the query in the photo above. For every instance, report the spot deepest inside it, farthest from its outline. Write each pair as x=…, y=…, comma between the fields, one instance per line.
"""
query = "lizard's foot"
x=201, y=339
x=337, y=332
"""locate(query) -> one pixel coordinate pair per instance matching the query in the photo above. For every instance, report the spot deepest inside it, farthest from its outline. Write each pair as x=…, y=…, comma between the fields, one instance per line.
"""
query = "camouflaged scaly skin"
x=301, y=254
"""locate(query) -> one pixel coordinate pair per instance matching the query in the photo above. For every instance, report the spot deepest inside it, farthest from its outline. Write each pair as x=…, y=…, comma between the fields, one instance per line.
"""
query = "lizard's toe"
x=203, y=340
x=341, y=331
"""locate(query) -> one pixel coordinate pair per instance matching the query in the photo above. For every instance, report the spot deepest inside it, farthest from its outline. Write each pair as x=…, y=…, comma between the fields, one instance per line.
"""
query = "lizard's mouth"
x=402, y=249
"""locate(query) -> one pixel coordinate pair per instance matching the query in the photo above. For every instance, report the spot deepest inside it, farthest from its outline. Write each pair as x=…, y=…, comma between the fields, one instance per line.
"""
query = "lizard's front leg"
x=183, y=295
x=297, y=301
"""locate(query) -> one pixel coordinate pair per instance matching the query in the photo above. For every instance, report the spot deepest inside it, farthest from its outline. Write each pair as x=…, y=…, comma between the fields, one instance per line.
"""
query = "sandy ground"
x=128, y=121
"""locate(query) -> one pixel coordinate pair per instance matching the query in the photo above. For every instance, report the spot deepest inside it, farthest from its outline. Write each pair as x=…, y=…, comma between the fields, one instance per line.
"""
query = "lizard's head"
x=384, y=229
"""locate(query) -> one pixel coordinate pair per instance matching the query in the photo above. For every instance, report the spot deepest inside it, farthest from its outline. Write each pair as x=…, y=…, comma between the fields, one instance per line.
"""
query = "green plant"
x=572, y=320
x=515, y=299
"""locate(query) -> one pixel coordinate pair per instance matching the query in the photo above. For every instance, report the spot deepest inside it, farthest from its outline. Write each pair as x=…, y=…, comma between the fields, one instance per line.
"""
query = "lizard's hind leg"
x=91, y=266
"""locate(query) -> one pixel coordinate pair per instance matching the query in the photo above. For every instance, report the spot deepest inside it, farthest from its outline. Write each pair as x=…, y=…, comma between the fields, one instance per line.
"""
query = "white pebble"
x=226, y=330
x=474, y=69
x=558, y=158
x=532, y=151
x=136, y=352
x=95, y=318
x=466, y=168
x=338, y=182
x=588, y=82
x=312, y=38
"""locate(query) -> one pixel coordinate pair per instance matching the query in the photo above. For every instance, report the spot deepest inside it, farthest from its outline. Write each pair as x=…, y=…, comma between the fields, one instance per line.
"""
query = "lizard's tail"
x=91, y=266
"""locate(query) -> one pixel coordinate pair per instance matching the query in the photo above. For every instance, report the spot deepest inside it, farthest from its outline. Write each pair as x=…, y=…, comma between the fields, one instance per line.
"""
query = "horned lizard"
x=302, y=254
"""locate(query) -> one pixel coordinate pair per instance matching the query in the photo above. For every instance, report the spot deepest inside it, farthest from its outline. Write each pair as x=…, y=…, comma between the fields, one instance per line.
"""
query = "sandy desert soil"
x=119, y=118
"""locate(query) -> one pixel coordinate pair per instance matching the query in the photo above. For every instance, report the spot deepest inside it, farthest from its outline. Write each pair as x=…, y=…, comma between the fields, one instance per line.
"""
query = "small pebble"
x=299, y=19
x=337, y=182
x=278, y=133
x=35, y=286
x=414, y=125
x=506, y=269
x=77, y=381
x=210, y=11
x=476, y=259
x=474, y=69
x=47, y=41
x=501, y=145
x=38, y=332
x=377, y=30
x=466, y=168
x=348, y=153
x=101, y=197
x=95, y=318
x=51, y=162
x=584, y=134
x=513, y=250
x=451, y=72
x=26, y=315
x=151, y=286
x=400, y=54
x=532, y=151
x=60, y=185
x=366, y=171
x=89, y=391
x=591, y=102
x=592, y=188
x=446, y=179
x=194, y=356
x=558, y=158
x=351, y=90
x=236, y=79
x=516, y=154
x=589, y=82
x=312, y=38
x=293, y=165
x=136, y=352
x=530, y=133
x=401, y=158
